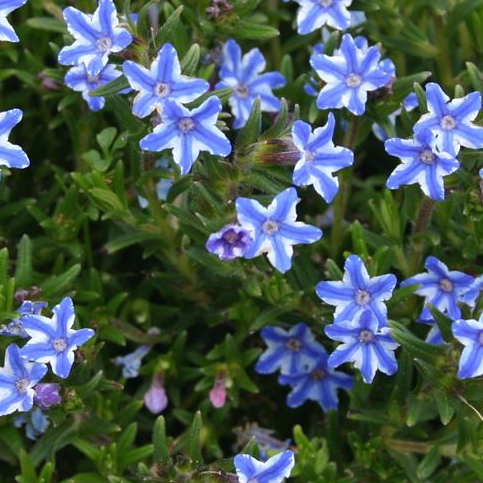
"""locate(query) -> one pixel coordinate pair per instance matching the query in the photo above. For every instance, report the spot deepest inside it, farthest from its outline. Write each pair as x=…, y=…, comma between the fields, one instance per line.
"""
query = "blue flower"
x=357, y=292
x=441, y=288
x=53, y=340
x=451, y=121
x=188, y=132
x=6, y=30
x=79, y=80
x=313, y=14
x=470, y=334
x=17, y=379
x=230, y=242
x=96, y=36
x=365, y=344
x=14, y=327
x=243, y=76
x=274, y=470
x=291, y=352
x=36, y=423
x=11, y=155
x=163, y=80
x=471, y=296
x=422, y=163
x=274, y=229
x=319, y=383
x=131, y=362
x=320, y=158
x=349, y=74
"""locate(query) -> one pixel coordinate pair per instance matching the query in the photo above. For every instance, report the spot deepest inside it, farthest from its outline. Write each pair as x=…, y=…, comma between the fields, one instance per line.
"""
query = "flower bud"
x=47, y=395
x=155, y=398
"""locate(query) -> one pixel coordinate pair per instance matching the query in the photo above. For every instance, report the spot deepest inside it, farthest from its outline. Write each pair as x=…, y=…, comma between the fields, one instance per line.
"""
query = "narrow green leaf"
x=166, y=31
x=250, y=133
x=446, y=406
x=110, y=88
x=23, y=266
x=253, y=30
x=193, y=448
x=58, y=284
x=190, y=61
x=161, y=454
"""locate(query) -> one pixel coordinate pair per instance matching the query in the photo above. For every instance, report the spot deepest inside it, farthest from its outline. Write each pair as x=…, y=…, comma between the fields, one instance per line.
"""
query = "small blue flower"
x=274, y=470
x=320, y=158
x=422, y=163
x=319, y=383
x=36, y=423
x=53, y=340
x=6, y=30
x=313, y=14
x=291, y=352
x=163, y=80
x=188, y=132
x=364, y=344
x=441, y=288
x=96, y=36
x=11, y=155
x=14, y=327
x=243, y=76
x=131, y=363
x=357, y=292
x=349, y=75
x=17, y=379
x=470, y=334
x=230, y=242
x=451, y=121
x=274, y=230
x=79, y=80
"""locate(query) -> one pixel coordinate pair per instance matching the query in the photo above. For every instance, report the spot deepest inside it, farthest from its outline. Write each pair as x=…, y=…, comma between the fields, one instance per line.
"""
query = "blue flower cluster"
x=303, y=365
x=50, y=341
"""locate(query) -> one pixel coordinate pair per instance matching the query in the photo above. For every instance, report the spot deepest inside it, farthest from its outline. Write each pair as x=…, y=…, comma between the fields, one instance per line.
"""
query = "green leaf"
x=128, y=240
x=446, y=406
x=250, y=133
x=166, y=31
x=106, y=200
x=161, y=454
x=58, y=284
x=23, y=266
x=190, y=61
x=193, y=448
x=253, y=30
x=27, y=468
x=46, y=23
x=110, y=88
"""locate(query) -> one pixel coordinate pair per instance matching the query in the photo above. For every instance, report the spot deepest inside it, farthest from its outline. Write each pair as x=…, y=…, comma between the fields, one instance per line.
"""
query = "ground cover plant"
x=241, y=241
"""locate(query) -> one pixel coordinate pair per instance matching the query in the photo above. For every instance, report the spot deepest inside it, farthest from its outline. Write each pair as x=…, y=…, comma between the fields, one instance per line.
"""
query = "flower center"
x=230, y=236
x=309, y=156
x=293, y=345
x=426, y=156
x=60, y=344
x=186, y=124
x=353, y=80
x=162, y=89
x=446, y=285
x=21, y=385
x=326, y=3
x=242, y=91
x=270, y=227
x=104, y=44
x=93, y=79
x=362, y=297
x=447, y=122
x=317, y=375
x=366, y=336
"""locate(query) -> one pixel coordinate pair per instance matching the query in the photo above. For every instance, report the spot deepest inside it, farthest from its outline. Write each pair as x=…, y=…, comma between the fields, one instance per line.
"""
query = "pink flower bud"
x=155, y=398
x=218, y=392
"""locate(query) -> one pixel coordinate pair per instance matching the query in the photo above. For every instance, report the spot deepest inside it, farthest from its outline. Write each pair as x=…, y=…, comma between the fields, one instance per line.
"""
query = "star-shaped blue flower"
x=79, y=80
x=188, y=132
x=451, y=121
x=96, y=36
x=273, y=229
x=274, y=470
x=230, y=242
x=349, y=75
x=357, y=292
x=422, y=163
x=292, y=352
x=365, y=344
x=441, y=287
x=313, y=14
x=14, y=328
x=6, y=30
x=320, y=383
x=470, y=334
x=53, y=340
x=243, y=76
x=11, y=155
x=163, y=80
x=320, y=158
x=17, y=379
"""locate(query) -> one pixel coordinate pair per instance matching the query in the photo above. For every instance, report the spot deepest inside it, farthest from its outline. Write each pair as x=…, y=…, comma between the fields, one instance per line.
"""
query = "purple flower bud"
x=218, y=392
x=230, y=242
x=47, y=395
x=155, y=398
